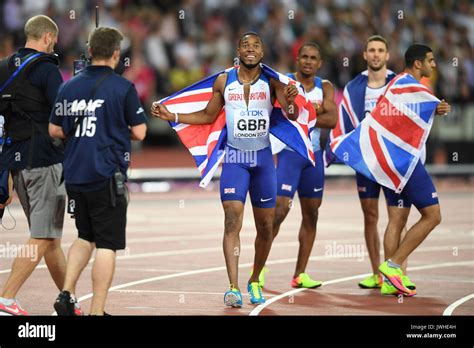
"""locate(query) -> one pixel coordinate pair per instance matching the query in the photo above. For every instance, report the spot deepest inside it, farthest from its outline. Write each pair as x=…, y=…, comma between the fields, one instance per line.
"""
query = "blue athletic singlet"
x=293, y=172
x=248, y=126
x=248, y=165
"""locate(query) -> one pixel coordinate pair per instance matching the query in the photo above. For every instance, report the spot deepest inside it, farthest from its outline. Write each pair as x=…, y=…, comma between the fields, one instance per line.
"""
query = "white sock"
x=7, y=301
x=392, y=264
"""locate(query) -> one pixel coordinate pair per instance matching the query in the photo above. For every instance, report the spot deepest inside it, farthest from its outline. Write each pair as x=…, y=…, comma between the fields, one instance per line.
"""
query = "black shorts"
x=97, y=221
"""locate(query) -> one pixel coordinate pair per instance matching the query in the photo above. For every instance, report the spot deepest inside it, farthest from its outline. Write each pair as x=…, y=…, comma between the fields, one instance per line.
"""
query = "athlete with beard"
x=248, y=97
x=360, y=97
x=376, y=55
x=295, y=174
x=418, y=191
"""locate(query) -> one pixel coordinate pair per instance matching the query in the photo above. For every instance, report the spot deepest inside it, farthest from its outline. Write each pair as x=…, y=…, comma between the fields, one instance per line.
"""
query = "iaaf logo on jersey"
x=78, y=107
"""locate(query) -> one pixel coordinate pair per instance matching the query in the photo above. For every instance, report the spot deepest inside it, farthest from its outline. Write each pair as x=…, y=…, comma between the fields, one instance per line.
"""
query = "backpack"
x=19, y=99
x=5, y=187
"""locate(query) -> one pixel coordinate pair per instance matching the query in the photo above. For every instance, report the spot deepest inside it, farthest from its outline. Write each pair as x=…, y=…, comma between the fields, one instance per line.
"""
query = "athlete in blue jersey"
x=418, y=191
x=295, y=174
x=376, y=55
x=248, y=97
x=361, y=96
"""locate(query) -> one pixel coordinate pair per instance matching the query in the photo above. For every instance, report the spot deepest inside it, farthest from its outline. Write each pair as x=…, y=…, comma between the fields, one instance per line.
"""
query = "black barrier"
x=191, y=330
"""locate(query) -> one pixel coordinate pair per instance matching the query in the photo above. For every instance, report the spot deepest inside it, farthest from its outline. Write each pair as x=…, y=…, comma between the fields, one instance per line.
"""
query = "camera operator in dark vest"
x=29, y=81
x=97, y=112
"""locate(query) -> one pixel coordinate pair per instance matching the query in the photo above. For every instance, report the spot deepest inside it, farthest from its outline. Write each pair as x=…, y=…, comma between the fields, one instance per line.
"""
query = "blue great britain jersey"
x=101, y=142
x=248, y=125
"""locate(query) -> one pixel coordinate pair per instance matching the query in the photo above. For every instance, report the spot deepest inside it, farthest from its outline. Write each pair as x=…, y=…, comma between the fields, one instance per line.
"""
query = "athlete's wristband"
x=176, y=117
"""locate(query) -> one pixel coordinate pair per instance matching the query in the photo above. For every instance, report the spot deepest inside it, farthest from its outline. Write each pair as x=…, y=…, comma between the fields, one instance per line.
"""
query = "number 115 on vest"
x=87, y=127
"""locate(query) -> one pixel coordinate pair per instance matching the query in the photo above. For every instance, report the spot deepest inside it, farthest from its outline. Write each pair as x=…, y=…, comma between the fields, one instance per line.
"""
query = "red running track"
x=174, y=263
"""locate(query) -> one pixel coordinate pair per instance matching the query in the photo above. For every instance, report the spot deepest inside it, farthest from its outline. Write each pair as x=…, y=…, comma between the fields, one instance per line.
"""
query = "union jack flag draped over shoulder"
x=386, y=146
x=206, y=142
x=351, y=110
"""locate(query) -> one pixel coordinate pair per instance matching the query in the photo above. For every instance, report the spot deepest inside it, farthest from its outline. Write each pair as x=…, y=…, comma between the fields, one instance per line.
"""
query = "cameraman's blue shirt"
x=101, y=142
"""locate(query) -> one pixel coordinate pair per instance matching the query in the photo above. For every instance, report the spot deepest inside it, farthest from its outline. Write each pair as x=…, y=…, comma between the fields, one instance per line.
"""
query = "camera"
x=81, y=64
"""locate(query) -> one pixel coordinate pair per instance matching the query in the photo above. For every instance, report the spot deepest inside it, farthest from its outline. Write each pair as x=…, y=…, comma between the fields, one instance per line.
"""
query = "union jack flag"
x=386, y=146
x=207, y=142
x=351, y=110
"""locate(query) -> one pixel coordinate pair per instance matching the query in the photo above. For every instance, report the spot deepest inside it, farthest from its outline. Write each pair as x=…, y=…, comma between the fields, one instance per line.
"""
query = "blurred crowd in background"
x=171, y=43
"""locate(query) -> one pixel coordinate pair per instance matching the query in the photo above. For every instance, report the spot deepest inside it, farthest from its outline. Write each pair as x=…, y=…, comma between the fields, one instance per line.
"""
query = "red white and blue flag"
x=351, y=110
x=386, y=146
x=207, y=142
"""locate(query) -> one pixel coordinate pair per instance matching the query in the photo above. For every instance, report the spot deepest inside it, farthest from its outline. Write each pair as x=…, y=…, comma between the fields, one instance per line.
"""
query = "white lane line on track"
x=134, y=269
x=191, y=251
x=223, y=268
x=250, y=246
x=175, y=292
x=261, y=307
x=172, y=253
x=247, y=227
x=450, y=309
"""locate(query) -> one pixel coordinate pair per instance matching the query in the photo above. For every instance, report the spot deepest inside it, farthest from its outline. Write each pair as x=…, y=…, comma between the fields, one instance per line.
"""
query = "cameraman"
x=29, y=82
x=106, y=114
